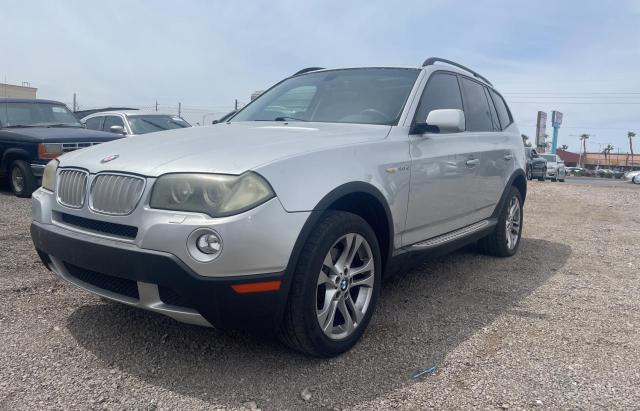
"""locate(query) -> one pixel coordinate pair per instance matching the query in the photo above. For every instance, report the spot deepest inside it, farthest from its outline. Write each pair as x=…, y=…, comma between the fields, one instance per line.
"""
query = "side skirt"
x=409, y=256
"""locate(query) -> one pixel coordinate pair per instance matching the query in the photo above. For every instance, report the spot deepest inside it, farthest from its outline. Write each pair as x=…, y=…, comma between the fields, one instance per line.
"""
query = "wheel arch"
x=12, y=154
x=518, y=180
x=359, y=198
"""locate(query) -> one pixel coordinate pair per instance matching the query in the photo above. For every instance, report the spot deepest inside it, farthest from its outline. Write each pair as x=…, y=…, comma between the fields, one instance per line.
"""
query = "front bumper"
x=37, y=169
x=551, y=173
x=159, y=281
x=153, y=268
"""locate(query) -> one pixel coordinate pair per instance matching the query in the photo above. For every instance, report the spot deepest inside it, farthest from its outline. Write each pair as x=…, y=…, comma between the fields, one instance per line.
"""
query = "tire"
x=529, y=174
x=554, y=180
x=310, y=298
x=21, y=179
x=540, y=178
x=497, y=243
x=636, y=179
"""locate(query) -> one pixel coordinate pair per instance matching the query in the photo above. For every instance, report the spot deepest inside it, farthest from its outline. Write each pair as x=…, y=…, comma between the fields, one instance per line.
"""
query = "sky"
x=579, y=57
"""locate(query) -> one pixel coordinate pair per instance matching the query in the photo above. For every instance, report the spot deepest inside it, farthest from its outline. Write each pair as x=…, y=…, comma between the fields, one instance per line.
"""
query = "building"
x=14, y=91
x=598, y=160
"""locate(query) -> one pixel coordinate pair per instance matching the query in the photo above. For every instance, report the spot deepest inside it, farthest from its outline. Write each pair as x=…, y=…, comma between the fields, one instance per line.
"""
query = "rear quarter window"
x=503, y=111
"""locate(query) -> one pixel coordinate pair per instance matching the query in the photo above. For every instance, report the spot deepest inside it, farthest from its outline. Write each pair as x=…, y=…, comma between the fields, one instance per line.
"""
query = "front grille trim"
x=122, y=201
x=71, y=187
x=107, y=228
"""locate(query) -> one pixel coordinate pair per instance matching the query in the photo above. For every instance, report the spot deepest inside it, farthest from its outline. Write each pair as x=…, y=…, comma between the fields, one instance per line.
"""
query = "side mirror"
x=215, y=122
x=117, y=130
x=441, y=121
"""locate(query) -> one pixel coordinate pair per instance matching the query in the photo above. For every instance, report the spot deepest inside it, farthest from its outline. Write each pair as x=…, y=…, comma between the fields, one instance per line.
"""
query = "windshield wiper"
x=285, y=118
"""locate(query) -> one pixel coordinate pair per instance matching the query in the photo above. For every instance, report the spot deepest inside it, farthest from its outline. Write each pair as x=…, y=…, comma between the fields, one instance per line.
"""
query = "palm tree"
x=525, y=140
x=607, y=153
x=583, y=138
x=631, y=135
x=564, y=147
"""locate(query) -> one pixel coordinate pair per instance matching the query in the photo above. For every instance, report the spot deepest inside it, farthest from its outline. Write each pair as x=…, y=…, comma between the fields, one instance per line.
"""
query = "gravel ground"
x=554, y=327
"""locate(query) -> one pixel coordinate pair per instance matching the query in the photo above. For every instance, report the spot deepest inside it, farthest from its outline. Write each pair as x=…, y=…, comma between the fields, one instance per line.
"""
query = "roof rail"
x=432, y=60
x=307, y=70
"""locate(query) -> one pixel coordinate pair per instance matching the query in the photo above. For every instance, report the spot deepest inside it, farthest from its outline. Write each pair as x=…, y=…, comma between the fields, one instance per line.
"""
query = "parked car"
x=32, y=132
x=631, y=174
x=133, y=122
x=536, y=165
x=556, y=171
x=574, y=170
x=287, y=217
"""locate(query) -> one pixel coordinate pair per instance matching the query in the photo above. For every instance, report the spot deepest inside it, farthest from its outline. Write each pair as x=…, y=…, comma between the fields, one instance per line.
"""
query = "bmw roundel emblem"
x=109, y=158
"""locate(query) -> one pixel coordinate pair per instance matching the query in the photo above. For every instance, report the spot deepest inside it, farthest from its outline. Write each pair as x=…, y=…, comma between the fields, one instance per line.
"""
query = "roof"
x=568, y=156
x=28, y=100
x=599, y=158
x=132, y=112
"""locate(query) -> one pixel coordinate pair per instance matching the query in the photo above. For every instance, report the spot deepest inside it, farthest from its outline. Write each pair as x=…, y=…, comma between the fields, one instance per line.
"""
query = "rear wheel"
x=529, y=174
x=335, y=287
x=505, y=239
x=21, y=179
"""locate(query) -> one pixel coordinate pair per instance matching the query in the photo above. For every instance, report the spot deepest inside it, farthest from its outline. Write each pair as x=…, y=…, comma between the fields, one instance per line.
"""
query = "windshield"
x=549, y=157
x=143, y=124
x=31, y=114
x=365, y=96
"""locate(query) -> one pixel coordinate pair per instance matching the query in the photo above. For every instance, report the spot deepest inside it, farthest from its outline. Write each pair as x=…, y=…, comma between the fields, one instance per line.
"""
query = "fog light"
x=204, y=244
x=209, y=243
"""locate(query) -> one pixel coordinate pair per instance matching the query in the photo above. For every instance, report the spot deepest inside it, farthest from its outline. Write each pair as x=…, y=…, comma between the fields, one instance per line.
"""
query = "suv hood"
x=231, y=148
x=57, y=135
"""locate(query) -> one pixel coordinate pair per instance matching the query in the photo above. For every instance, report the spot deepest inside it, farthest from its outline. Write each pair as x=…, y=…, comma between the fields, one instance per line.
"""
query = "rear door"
x=488, y=144
x=443, y=168
x=506, y=120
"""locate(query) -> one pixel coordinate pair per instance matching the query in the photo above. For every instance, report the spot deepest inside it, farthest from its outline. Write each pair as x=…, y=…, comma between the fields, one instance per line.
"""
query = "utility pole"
x=75, y=103
x=236, y=105
x=156, y=104
x=179, y=109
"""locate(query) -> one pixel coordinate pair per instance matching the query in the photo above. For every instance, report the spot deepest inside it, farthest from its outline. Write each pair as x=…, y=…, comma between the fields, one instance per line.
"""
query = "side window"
x=503, y=111
x=94, y=123
x=492, y=109
x=112, y=121
x=476, y=107
x=442, y=92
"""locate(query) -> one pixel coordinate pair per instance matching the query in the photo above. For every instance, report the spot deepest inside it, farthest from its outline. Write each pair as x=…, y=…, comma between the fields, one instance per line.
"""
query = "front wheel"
x=335, y=287
x=505, y=239
x=529, y=174
x=21, y=179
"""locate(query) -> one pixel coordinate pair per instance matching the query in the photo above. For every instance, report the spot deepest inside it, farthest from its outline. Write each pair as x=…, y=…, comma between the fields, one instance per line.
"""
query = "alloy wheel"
x=345, y=286
x=17, y=180
x=513, y=222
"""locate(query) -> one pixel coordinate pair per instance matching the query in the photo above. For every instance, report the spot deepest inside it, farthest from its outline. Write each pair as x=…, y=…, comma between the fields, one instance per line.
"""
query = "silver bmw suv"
x=286, y=217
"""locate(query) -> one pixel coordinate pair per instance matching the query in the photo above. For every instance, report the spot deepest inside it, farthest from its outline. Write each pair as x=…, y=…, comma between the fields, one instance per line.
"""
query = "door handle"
x=474, y=162
x=508, y=157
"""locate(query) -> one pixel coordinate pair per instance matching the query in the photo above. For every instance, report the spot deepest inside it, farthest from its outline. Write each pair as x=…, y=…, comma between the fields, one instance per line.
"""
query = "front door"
x=444, y=168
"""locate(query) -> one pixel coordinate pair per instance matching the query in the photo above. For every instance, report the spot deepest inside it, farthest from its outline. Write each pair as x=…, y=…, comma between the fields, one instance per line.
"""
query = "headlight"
x=48, y=151
x=49, y=175
x=217, y=195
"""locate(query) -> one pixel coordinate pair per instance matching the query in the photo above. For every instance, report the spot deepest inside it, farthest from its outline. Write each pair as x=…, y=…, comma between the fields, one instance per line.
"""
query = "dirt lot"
x=554, y=327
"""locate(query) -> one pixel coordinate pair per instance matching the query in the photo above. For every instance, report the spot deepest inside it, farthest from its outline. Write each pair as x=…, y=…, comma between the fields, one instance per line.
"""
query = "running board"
x=451, y=236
